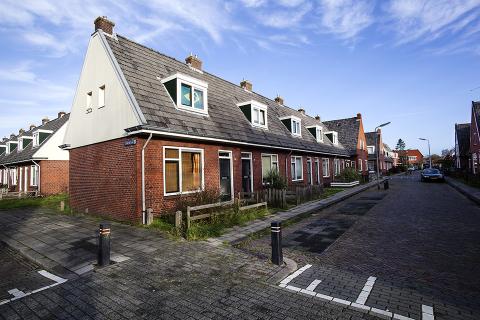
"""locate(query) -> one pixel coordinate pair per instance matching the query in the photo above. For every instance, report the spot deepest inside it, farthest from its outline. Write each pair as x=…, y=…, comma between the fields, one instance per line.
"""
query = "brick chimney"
x=301, y=110
x=45, y=120
x=194, y=62
x=21, y=132
x=317, y=117
x=247, y=85
x=61, y=114
x=359, y=116
x=32, y=126
x=104, y=24
x=279, y=100
x=12, y=136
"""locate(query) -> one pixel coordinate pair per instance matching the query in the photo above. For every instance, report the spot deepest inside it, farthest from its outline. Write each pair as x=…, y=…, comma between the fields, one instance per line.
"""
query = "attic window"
x=39, y=136
x=101, y=97
x=317, y=132
x=333, y=136
x=23, y=142
x=2, y=149
x=187, y=93
x=293, y=124
x=255, y=112
x=11, y=146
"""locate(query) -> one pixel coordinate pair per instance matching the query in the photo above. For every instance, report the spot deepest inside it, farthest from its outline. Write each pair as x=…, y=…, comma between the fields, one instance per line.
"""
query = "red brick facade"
x=106, y=178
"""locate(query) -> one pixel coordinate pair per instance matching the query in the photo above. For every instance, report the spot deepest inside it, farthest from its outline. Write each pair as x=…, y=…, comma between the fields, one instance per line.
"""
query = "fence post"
x=188, y=218
x=276, y=234
x=284, y=199
x=62, y=205
x=178, y=219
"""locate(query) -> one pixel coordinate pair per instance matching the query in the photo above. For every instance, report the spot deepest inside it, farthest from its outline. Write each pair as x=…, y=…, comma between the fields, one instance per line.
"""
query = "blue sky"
x=411, y=62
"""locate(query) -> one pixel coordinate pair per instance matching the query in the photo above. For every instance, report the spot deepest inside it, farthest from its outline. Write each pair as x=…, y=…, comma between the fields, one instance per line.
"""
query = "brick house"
x=414, y=157
x=146, y=129
x=389, y=157
x=352, y=135
x=462, y=146
x=474, y=149
x=32, y=160
x=372, y=151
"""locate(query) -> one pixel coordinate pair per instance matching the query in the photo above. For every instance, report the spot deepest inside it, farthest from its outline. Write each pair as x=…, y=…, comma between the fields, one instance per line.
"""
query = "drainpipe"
x=38, y=182
x=286, y=165
x=144, y=209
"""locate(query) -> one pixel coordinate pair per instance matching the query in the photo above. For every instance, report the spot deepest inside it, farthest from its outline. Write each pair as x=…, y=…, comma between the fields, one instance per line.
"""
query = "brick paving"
x=421, y=242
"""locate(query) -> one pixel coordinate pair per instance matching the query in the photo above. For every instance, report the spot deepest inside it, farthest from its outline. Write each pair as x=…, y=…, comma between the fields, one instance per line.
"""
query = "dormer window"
x=23, y=142
x=333, y=136
x=293, y=124
x=317, y=132
x=187, y=93
x=11, y=146
x=3, y=148
x=371, y=149
x=39, y=136
x=255, y=112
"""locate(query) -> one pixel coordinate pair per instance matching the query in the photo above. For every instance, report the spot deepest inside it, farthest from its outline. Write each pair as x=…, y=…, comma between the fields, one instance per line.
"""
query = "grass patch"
x=51, y=202
x=328, y=192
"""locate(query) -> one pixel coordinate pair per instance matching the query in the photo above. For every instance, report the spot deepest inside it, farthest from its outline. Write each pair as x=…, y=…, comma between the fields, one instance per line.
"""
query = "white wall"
x=105, y=123
x=50, y=148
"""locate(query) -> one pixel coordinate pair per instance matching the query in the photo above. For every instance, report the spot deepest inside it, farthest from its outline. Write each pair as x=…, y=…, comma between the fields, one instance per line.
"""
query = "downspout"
x=38, y=182
x=144, y=209
x=286, y=165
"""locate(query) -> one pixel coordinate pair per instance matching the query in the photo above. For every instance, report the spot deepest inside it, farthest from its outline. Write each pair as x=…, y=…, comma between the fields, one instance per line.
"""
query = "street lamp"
x=378, y=152
x=429, y=154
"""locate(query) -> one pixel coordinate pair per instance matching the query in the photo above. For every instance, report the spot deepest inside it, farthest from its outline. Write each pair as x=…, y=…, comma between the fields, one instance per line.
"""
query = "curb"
x=459, y=187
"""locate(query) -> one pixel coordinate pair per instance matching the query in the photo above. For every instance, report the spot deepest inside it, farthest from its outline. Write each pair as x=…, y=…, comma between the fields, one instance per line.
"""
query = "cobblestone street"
x=414, y=246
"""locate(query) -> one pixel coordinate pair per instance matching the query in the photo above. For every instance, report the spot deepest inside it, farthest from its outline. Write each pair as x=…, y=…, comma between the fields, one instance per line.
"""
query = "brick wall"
x=54, y=176
x=103, y=179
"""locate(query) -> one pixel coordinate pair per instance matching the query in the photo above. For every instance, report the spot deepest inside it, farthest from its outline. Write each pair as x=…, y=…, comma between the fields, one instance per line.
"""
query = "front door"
x=225, y=160
x=246, y=172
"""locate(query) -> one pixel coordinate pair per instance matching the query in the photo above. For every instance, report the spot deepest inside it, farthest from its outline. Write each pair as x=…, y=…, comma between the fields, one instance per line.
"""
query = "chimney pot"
x=279, y=100
x=301, y=110
x=32, y=126
x=317, y=117
x=104, y=24
x=45, y=120
x=247, y=85
x=61, y=114
x=359, y=115
x=194, y=62
x=12, y=136
x=20, y=132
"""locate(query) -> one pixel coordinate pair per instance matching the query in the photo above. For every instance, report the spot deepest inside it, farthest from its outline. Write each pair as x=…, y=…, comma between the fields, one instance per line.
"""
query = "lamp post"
x=429, y=154
x=378, y=152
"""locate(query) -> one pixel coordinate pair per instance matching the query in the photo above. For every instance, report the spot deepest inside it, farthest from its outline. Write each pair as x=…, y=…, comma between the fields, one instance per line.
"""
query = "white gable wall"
x=109, y=122
x=50, y=148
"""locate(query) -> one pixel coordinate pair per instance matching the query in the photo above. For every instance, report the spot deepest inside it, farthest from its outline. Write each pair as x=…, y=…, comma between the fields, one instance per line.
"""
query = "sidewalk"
x=240, y=233
x=470, y=192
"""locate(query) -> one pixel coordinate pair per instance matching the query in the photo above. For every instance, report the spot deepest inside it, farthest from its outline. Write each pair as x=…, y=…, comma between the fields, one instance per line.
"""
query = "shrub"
x=275, y=180
x=348, y=175
x=206, y=196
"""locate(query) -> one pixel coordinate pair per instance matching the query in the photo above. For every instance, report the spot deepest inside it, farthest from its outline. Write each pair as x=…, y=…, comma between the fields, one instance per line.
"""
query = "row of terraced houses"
x=467, y=142
x=145, y=129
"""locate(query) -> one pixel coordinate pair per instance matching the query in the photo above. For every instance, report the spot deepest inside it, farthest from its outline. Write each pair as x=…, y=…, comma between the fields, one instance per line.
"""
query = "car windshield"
x=431, y=171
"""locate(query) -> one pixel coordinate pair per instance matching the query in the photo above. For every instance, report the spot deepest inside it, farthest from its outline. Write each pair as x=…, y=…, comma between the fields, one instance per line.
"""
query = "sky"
x=414, y=63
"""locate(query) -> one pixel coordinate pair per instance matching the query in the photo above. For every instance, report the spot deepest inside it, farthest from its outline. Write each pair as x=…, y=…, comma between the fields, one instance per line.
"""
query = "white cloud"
x=19, y=73
x=284, y=18
x=291, y=3
x=429, y=19
x=346, y=18
x=253, y=3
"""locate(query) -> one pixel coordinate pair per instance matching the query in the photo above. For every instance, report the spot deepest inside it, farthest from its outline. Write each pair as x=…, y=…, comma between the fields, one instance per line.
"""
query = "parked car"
x=432, y=175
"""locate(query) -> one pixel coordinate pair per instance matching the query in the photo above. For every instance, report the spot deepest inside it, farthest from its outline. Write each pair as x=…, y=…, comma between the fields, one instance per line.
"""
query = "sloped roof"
x=463, y=137
x=27, y=153
x=347, y=132
x=387, y=148
x=144, y=68
x=370, y=136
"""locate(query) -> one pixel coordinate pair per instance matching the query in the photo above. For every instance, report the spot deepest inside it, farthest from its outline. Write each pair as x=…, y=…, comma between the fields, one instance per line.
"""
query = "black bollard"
x=104, y=244
x=386, y=185
x=277, y=254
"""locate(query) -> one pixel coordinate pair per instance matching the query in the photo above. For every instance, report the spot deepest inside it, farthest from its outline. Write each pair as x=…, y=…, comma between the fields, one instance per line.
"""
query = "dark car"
x=432, y=175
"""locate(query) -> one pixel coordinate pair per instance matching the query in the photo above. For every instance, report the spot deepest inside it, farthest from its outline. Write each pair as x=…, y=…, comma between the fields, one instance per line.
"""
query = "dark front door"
x=225, y=179
x=246, y=175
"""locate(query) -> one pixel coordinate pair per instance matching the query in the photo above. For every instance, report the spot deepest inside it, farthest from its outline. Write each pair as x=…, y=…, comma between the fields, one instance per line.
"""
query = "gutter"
x=144, y=218
x=137, y=131
x=38, y=182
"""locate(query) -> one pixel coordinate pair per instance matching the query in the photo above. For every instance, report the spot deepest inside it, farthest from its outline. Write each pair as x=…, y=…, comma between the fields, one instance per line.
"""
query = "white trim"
x=334, y=136
x=309, y=161
x=251, y=167
x=229, y=157
x=271, y=162
x=293, y=161
x=256, y=105
x=20, y=179
x=180, y=149
x=195, y=84
x=317, y=163
x=317, y=128
x=292, y=119
x=326, y=173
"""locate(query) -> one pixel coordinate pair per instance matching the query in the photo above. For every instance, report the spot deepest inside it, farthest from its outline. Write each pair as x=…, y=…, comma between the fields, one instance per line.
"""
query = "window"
x=13, y=177
x=187, y=92
x=412, y=158
x=258, y=116
x=336, y=166
x=366, y=164
x=347, y=164
x=89, y=100
x=333, y=136
x=101, y=97
x=269, y=162
x=319, y=134
x=36, y=139
x=255, y=112
x=326, y=167
x=297, y=168
x=182, y=170
x=371, y=149
x=293, y=124
x=11, y=146
x=360, y=165
x=34, y=176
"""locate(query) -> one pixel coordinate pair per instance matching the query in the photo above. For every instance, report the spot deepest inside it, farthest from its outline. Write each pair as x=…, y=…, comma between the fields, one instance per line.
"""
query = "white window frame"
x=271, y=162
x=21, y=140
x=230, y=157
x=36, y=136
x=318, y=133
x=293, y=163
x=326, y=173
x=360, y=166
x=317, y=164
x=336, y=165
x=255, y=105
x=180, y=178
x=334, y=136
x=292, y=120
x=89, y=100
x=310, y=165
x=101, y=97
x=13, y=176
x=3, y=147
x=249, y=157
x=34, y=176
x=371, y=148
x=194, y=84
x=9, y=143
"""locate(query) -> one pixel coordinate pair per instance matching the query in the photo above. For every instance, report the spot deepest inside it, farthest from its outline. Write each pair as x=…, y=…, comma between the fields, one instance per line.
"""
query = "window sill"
x=203, y=112
x=178, y=194
x=297, y=180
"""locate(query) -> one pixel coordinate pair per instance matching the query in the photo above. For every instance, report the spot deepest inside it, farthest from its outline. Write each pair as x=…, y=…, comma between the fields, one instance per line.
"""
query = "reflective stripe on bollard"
x=103, y=258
